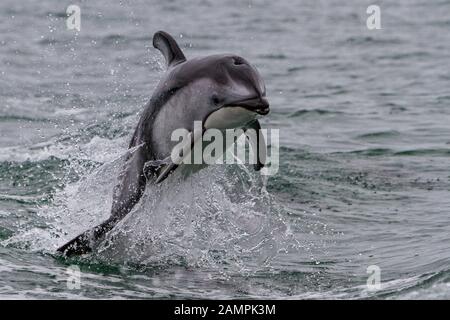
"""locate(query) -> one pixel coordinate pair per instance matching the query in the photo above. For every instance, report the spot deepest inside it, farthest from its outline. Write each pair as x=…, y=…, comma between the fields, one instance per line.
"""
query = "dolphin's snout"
x=259, y=105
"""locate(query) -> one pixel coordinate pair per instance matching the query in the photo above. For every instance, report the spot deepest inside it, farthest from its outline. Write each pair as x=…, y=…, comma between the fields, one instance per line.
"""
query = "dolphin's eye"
x=215, y=99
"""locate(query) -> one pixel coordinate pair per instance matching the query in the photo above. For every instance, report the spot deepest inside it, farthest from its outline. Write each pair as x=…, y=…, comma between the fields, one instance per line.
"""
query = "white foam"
x=97, y=149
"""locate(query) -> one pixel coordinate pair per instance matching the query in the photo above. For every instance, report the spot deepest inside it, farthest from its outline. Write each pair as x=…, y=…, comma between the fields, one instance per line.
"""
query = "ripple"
x=313, y=113
x=375, y=152
x=424, y=152
x=273, y=56
x=364, y=40
x=378, y=135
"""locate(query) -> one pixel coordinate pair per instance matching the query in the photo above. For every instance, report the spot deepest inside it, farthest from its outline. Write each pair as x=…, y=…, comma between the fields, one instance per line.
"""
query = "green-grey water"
x=364, y=152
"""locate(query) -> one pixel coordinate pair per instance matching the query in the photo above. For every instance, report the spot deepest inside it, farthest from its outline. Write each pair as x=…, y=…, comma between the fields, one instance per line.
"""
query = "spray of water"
x=220, y=217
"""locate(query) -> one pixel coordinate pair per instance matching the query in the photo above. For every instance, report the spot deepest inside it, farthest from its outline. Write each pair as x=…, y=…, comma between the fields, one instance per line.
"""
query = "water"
x=365, y=145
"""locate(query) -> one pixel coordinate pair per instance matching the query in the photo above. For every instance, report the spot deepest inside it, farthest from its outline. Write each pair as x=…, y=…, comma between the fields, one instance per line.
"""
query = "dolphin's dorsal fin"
x=165, y=43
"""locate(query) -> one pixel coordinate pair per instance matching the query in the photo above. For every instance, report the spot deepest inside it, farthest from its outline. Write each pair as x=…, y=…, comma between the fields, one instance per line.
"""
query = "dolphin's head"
x=236, y=93
x=223, y=91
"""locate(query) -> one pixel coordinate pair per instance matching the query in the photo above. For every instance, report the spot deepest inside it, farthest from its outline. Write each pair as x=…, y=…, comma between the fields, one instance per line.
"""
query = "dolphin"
x=222, y=91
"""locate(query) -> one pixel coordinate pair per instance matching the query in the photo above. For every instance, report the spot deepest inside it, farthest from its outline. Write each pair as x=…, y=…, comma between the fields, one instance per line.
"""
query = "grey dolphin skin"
x=222, y=91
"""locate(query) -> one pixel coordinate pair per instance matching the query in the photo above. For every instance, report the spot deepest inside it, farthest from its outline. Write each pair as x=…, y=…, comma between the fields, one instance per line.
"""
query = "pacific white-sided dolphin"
x=222, y=91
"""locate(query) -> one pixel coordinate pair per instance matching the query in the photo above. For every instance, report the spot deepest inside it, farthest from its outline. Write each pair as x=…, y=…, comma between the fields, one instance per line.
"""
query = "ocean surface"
x=364, y=179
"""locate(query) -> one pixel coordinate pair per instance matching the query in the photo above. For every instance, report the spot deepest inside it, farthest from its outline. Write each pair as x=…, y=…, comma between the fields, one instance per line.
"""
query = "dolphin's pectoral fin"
x=166, y=171
x=169, y=48
x=127, y=193
x=258, y=144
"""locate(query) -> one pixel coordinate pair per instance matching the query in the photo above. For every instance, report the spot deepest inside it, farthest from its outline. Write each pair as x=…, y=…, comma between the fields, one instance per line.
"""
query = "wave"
x=374, y=152
x=97, y=149
x=313, y=112
x=378, y=135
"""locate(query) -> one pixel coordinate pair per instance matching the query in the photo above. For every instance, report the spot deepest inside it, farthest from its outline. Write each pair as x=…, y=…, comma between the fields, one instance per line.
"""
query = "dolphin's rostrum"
x=223, y=91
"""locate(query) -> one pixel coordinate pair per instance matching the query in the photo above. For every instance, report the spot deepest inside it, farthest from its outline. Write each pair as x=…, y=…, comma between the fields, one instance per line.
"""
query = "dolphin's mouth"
x=257, y=105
